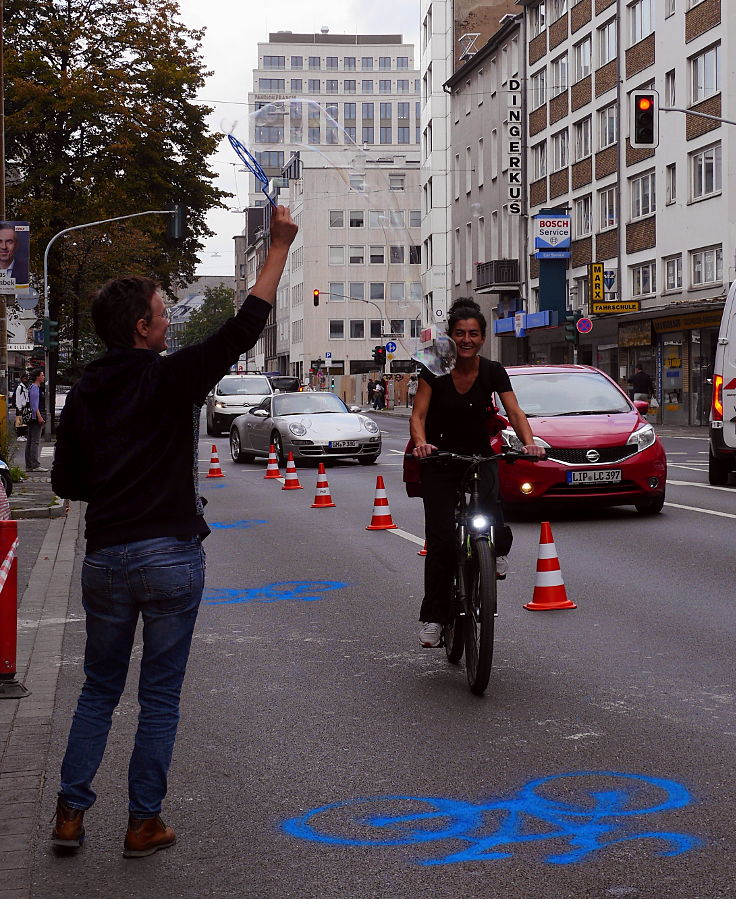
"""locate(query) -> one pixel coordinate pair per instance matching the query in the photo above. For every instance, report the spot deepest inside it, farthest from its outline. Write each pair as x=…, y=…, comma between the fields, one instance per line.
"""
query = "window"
x=337, y=329
x=296, y=84
x=274, y=62
x=583, y=216
x=384, y=135
x=397, y=326
x=271, y=84
x=539, y=160
x=349, y=86
x=270, y=158
x=705, y=72
x=357, y=329
x=706, y=169
x=376, y=328
x=367, y=111
x=397, y=291
x=348, y=63
x=607, y=122
x=384, y=63
x=402, y=86
x=560, y=150
x=706, y=266
x=536, y=20
x=671, y=175
x=313, y=135
x=297, y=62
x=366, y=86
x=377, y=290
x=643, y=199
x=607, y=47
x=357, y=218
x=415, y=218
x=337, y=218
x=539, y=88
x=357, y=290
x=402, y=111
x=396, y=218
x=641, y=18
x=673, y=273
x=385, y=111
x=556, y=9
x=366, y=63
x=415, y=255
x=415, y=293
x=396, y=255
x=331, y=111
x=357, y=182
x=356, y=255
x=377, y=255
x=331, y=62
x=609, y=216
x=313, y=85
x=314, y=62
x=384, y=87
x=416, y=324
x=396, y=182
x=376, y=218
x=582, y=131
x=669, y=87
x=643, y=279
x=348, y=111
x=669, y=8
x=582, y=59
x=558, y=75
x=480, y=173
x=402, y=62
x=368, y=135
x=337, y=291
x=331, y=86
x=336, y=255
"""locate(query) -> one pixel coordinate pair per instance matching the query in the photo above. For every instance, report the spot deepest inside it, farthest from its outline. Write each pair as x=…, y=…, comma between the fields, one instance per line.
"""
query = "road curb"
x=54, y=511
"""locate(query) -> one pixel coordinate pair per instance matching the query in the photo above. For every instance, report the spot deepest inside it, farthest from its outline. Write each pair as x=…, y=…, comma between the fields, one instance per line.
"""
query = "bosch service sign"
x=551, y=232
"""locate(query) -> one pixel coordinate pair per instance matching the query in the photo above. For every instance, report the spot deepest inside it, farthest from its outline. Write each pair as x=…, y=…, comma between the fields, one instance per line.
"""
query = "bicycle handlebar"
x=509, y=455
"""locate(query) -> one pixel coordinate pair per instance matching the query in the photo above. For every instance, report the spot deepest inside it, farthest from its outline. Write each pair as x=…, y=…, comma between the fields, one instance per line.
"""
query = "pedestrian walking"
x=371, y=386
x=127, y=444
x=36, y=398
x=411, y=390
x=641, y=384
x=20, y=401
x=384, y=393
x=378, y=395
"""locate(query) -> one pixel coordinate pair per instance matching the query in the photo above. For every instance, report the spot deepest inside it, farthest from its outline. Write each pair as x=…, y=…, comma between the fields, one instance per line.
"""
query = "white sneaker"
x=21, y=439
x=502, y=568
x=430, y=636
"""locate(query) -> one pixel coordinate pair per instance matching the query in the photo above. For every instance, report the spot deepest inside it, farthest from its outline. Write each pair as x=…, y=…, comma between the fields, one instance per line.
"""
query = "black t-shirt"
x=641, y=382
x=458, y=422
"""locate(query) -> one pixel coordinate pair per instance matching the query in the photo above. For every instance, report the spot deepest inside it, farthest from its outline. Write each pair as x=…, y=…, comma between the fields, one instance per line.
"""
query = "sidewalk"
x=33, y=497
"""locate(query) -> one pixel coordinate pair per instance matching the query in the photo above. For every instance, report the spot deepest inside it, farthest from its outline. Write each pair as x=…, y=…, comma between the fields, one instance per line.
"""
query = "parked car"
x=600, y=448
x=231, y=397
x=285, y=383
x=309, y=425
x=722, y=431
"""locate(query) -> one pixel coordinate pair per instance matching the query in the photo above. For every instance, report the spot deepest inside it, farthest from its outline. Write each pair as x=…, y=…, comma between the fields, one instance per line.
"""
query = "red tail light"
x=716, y=409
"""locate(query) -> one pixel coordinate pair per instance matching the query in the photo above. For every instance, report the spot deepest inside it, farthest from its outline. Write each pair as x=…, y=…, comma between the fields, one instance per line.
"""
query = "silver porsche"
x=310, y=425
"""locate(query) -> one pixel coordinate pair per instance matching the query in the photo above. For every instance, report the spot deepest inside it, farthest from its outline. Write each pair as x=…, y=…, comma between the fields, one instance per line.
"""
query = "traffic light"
x=572, y=335
x=379, y=356
x=177, y=222
x=644, y=125
x=315, y=295
x=50, y=334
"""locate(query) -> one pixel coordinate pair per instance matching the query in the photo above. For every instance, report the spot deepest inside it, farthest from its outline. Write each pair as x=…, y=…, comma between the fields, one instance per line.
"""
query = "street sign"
x=328, y=355
x=552, y=232
x=390, y=347
x=520, y=324
x=618, y=306
x=584, y=325
x=595, y=282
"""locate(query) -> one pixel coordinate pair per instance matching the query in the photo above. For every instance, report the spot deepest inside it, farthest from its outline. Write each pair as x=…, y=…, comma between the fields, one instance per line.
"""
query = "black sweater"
x=127, y=441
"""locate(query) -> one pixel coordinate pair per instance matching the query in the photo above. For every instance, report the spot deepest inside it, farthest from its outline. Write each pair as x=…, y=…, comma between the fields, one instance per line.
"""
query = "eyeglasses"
x=165, y=314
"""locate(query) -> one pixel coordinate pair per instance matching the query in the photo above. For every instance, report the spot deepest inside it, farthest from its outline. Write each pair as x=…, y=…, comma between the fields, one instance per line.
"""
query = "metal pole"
x=3, y=301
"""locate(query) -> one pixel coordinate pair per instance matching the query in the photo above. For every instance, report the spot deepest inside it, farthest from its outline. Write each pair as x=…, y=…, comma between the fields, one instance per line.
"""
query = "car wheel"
x=210, y=428
x=651, y=505
x=7, y=482
x=367, y=460
x=278, y=447
x=236, y=450
x=718, y=470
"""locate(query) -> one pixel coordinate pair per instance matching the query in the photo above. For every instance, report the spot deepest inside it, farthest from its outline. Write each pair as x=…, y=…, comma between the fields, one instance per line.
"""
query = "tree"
x=218, y=306
x=100, y=122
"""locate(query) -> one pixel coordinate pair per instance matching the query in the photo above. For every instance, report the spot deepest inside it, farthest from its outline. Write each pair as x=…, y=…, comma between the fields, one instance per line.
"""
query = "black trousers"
x=440, y=482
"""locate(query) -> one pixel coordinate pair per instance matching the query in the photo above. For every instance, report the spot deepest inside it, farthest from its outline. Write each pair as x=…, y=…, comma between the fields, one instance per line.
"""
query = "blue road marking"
x=245, y=524
x=213, y=486
x=299, y=591
x=491, y=829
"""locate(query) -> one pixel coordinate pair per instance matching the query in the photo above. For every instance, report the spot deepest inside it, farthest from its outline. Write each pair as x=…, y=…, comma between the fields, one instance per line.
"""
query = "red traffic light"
x=644, y=103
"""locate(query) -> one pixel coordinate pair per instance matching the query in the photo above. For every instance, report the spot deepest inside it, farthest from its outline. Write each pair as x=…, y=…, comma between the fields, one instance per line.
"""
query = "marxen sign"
x=513, y=147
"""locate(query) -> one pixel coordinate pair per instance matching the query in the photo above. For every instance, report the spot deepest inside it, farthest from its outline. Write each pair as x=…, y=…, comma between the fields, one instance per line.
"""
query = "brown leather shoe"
x=146, y=836
x=68, y=828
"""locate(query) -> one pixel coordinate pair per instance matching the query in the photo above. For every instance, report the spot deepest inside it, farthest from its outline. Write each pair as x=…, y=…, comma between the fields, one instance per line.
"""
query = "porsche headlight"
x=297, y=429
x=642, y=438
x=370, y=425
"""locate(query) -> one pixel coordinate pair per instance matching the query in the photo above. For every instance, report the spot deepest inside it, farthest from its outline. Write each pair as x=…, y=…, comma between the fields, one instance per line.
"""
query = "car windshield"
x=567, y=393
x=307, y=404
x=285, y=383
x=237, y=386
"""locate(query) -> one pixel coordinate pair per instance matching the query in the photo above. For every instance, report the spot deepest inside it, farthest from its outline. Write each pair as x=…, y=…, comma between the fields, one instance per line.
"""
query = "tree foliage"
x=101, y=122
x=218, y=306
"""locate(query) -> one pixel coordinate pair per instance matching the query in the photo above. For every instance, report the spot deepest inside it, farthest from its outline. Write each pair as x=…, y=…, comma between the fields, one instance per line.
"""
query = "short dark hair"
x=464, y=308
x=35, y=372
x=119, y=305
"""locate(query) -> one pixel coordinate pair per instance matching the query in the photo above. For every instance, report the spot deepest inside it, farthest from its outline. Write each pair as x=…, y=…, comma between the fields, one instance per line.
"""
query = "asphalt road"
x=599, y=763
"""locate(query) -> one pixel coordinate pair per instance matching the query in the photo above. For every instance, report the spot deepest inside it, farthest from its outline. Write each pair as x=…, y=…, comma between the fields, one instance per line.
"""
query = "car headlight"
x=297, y=428
x=514, y=443
x=219, y=405
x=370, y=425
x=642, y=438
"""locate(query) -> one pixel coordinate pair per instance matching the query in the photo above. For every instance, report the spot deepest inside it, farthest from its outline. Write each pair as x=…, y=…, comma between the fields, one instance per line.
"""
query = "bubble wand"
x=253, y=166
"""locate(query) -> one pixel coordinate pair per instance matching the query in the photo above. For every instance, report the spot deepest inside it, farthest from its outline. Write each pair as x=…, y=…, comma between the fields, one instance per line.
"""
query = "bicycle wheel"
x=453, y=633
x=481, y=587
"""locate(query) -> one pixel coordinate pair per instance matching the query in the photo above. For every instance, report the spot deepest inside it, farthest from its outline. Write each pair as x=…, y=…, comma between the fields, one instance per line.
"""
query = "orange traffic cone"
x=423, y=551
x=272, y=469
x=549, y=589
x=322, y=498
x=215, y=470
x=381, y=520
x=292, y=481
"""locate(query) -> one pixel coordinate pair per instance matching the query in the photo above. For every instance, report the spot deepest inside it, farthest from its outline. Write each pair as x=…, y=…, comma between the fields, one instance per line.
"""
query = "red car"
x=600, y=448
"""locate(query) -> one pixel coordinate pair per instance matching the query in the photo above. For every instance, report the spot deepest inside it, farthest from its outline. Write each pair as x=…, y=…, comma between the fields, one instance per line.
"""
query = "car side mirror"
x=259, y=413
x=641, y=406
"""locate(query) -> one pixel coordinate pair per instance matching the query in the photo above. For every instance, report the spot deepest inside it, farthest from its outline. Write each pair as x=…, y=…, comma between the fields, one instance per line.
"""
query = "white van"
x=722, y=455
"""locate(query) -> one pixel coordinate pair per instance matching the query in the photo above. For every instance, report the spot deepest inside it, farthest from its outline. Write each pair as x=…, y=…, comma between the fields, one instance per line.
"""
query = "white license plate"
x=603, y=476
x=342, y=444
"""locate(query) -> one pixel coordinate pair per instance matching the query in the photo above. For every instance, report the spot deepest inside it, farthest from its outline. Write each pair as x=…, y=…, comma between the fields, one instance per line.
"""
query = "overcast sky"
x=231, y=51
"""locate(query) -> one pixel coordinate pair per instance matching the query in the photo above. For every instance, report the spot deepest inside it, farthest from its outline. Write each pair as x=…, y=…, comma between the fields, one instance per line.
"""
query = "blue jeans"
x=162, y=579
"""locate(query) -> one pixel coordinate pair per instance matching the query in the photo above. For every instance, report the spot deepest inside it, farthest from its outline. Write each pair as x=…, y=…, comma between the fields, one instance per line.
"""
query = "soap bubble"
x=439, y=357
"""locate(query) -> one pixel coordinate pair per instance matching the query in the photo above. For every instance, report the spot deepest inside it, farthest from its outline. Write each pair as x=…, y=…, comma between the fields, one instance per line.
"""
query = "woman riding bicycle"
x=451, y=413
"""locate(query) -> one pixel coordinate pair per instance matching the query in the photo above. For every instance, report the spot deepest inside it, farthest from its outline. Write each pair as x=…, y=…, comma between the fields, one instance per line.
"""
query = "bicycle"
x=473, y=603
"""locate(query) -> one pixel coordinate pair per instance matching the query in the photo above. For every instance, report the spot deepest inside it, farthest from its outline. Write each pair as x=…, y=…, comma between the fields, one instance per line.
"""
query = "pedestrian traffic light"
x=379, y=356
x=177, y=222
x=644, y=125
x=315, y=294
x=572, y=335
x=50, y=334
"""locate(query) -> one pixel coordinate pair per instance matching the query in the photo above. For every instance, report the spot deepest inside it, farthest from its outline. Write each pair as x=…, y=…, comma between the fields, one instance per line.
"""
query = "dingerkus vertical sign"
x=513, y=147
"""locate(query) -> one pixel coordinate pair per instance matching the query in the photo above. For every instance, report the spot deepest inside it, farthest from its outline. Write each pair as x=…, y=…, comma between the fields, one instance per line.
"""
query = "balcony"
x=497, y=276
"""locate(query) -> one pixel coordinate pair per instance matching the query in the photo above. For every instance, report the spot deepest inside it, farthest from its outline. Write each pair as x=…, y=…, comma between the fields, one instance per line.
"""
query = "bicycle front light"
x=480, y=523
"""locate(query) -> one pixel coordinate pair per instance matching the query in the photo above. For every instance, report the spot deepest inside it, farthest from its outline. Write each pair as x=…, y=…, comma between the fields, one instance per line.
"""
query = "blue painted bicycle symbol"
x=301, y=591
x=593, y=819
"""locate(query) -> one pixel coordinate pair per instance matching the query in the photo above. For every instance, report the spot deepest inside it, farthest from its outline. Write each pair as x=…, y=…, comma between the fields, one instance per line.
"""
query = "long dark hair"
x=463, y=309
